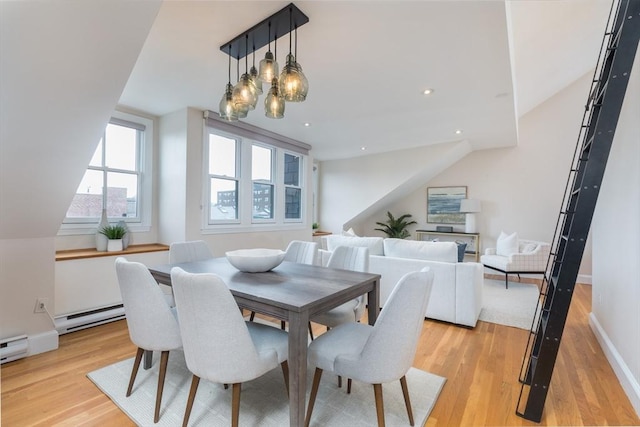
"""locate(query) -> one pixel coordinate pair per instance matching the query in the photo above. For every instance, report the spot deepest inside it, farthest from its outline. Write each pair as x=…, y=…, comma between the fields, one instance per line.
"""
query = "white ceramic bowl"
x=255, y=260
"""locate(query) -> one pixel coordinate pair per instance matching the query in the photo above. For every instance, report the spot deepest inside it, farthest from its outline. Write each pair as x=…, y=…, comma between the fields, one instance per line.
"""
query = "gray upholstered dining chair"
x=190, y=251
x=302, y=252
x=346, y=258
x=152, y=324
x=195, y=250
x=219, y=345
x=376, y=354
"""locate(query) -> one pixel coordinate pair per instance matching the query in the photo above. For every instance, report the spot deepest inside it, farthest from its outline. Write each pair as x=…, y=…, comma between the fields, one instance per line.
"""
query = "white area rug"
x=515, y=306
x=263, y=401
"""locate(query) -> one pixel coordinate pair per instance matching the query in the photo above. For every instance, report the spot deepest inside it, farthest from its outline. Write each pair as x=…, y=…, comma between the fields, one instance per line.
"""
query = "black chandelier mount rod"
x=282, y=22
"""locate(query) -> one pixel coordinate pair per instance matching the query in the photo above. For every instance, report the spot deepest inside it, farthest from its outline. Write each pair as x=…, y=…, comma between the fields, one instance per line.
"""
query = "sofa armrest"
x=469, y=282
x=490, y=251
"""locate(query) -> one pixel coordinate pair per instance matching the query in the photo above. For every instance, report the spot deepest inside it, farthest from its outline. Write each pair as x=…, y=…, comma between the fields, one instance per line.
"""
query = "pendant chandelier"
x=291, y=85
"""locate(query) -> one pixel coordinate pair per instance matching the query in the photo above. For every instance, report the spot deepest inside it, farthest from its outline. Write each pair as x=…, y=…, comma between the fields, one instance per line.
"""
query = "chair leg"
x=310, y=331
x=348, y=385
x=407, y=401
x=134, y=371
x=192, y=396
x=285, y=374
x=312, y=397
x=253, y=314
x=506, y=280
x=164, y=359
x=339, y=381
x=235, y=405
x=282, y=325
x=377, y=391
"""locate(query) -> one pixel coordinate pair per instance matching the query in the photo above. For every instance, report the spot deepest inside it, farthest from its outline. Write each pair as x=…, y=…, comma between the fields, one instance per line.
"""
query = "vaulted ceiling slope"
x=63, y=66
x=369, y=61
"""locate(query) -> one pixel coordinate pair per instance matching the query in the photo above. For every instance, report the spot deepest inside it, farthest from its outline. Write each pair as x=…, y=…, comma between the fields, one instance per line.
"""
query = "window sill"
x=92, y=253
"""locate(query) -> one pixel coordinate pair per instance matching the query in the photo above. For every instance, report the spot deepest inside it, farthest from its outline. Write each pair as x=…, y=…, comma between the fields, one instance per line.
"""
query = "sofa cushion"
x=373, y=243
x=413, y=249
x=527, y=248
x=507, y=244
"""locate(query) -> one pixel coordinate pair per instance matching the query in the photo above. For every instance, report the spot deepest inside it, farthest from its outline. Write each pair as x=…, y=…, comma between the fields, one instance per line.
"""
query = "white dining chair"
x=195, y=250
x=346, y=258
x=190, y=251
x=219, y=345
x=380, y=353
x=152, y=324
x=302, y=253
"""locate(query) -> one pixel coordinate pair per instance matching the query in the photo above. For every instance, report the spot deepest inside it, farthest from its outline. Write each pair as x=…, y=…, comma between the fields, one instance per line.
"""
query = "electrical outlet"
x=41, y=303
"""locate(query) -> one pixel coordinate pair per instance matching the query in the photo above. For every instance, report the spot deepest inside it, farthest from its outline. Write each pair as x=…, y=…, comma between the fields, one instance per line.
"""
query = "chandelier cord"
x=229, y=65
x=246, y=56
x=290, y=24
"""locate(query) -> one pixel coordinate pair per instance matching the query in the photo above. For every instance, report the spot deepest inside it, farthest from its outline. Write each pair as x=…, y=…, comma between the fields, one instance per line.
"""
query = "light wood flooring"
x=481, y=366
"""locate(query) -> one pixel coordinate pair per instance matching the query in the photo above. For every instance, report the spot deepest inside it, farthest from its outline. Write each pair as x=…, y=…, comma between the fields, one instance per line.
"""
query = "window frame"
x=238, y=178
x=144, y=172
x=246, y=222
x=301, y=185
x=273, y=183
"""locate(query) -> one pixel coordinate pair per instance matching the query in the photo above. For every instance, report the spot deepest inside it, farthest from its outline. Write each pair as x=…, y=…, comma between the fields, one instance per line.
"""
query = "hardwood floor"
x=481, y=366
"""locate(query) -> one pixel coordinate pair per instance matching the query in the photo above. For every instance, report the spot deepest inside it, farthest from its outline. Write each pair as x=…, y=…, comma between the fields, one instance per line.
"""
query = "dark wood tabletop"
x=292, y=292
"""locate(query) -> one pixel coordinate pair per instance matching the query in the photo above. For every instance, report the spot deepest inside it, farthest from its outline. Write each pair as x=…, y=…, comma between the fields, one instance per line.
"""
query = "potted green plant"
x=396, y=227
x=114, y=233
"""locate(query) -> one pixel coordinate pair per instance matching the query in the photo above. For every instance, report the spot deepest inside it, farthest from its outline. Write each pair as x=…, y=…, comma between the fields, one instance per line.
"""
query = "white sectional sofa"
x=456, y=295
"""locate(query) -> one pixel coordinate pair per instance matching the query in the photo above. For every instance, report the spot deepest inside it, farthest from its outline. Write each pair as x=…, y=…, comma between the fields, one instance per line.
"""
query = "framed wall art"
x=443, y=205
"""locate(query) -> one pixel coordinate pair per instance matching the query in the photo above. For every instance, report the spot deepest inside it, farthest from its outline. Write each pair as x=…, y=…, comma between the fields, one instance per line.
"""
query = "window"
x=114, y=179
x=262, y=177
x=223, y=178
x=293, y=187
x=255, y=178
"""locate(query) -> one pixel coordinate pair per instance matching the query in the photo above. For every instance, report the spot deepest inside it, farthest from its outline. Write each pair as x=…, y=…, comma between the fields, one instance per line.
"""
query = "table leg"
x=148, y=359
x=298, y=323
x=373, y=300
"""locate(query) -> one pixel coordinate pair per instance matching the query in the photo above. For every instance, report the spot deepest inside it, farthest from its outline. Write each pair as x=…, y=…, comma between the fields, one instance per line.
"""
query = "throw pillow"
x=528, y=248
x=507, y=244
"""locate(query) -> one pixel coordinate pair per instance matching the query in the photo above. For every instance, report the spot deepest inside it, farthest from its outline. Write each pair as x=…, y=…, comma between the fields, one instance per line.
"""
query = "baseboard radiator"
x=88, y=319
x=13, y=348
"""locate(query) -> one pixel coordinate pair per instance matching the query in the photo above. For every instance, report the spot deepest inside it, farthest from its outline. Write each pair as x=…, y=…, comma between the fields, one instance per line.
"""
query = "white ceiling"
x=369, y=61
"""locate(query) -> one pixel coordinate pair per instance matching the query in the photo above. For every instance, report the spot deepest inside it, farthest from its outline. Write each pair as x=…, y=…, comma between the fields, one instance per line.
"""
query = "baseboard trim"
x=584, y=279
x=45, y=341
x=629, y=384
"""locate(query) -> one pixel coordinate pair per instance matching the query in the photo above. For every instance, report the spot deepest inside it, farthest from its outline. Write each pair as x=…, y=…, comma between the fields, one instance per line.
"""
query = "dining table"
x=292, y=292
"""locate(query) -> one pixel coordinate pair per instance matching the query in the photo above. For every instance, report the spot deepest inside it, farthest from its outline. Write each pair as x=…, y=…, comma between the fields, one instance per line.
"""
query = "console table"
x=471, y=239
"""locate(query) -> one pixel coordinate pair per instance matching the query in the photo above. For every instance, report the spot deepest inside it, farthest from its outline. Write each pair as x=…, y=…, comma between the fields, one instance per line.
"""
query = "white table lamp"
x=470, y=207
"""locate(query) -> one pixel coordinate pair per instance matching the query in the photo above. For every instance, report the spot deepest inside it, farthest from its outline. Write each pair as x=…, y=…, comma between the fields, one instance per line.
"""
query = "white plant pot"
x=114, y=245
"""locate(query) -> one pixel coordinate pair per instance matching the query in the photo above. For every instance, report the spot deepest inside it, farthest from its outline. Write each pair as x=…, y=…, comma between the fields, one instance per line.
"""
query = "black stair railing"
x=595, y=138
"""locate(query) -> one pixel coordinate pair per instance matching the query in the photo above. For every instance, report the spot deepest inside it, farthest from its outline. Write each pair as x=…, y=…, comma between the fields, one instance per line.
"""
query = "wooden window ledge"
x=92, y=253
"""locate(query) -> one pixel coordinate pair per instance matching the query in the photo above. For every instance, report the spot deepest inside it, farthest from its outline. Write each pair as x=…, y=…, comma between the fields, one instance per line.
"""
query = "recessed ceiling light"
x=427, y=91
x=458, y=131
x=307, y=124
x=363, y=148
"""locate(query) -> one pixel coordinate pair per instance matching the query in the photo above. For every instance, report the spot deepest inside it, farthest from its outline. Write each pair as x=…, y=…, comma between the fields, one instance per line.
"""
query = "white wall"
x=172, y=177
x=520, y=188
x=615, y=316
x=58, y=92
x=181, y=191
x=349, y=189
